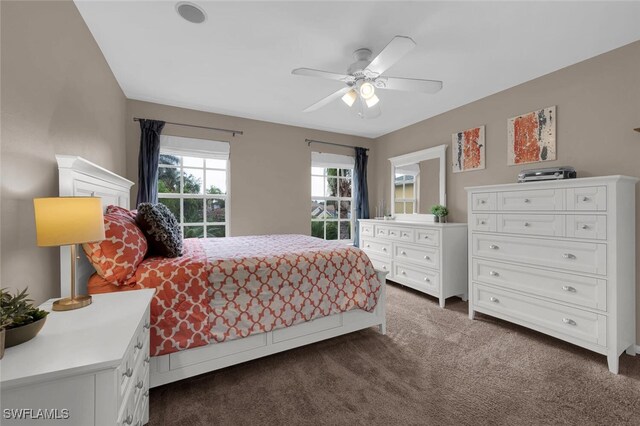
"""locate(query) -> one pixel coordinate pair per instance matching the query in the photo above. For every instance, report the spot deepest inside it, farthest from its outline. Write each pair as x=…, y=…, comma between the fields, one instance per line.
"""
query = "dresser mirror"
x=418, y=181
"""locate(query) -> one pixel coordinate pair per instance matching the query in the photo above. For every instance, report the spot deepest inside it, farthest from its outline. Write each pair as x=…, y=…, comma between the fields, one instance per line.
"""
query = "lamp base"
x=69, y=303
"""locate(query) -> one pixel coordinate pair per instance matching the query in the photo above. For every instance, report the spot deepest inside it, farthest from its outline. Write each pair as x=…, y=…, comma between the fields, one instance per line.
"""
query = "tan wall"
x=270, y=171
x=58, y=97
x=598, y=107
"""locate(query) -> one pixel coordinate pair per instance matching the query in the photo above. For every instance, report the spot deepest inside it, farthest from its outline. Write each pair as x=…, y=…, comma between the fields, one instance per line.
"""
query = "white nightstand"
x=90, y=366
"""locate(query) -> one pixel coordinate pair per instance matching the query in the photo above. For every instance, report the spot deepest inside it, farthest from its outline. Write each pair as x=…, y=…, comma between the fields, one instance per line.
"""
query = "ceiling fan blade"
x=409, y=84
x=396, y=49
x=308, y=72
x=325, y=101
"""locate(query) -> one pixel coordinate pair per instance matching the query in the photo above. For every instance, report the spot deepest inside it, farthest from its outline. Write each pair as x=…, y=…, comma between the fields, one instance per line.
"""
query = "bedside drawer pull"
x=427, y=257
x=494, y=299
x=384, y=266
x=404, y=234
x=526, y=200
x=392, y=233
x=568, y=321
x=403, y=273
x=140, y=384
x=147, y=360
x=427, y=279
x=585, y=226
x=527, y=224
x=368, y=245
x=128, y=420
x=569, y=288
x=139, y=345
x=384, y=249
x=380, y=232
x=426, y=237
x=483, y=202
x=128, y=372
x=404, y=253
x=569, y=256
x=494, y=274
x=146, y=394
x=147, y=325
x=482, y=222
x=585, y=198
x=494, y=247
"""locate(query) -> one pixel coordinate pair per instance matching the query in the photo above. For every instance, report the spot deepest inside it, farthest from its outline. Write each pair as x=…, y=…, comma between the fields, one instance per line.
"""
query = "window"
x=194, y=186
x=405, y=194
x=332, y=197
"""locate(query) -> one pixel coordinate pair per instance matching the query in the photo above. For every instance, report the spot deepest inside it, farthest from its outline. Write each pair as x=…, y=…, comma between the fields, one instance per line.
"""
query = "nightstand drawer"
x=137, y=351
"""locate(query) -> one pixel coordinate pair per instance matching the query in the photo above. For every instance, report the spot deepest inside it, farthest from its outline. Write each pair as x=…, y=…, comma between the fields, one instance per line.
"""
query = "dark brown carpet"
x=434, y=367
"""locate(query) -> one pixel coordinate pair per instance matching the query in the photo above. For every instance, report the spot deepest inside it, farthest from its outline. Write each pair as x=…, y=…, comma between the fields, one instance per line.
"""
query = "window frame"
x=337, y=199
x=404, y=200
x=204, y=196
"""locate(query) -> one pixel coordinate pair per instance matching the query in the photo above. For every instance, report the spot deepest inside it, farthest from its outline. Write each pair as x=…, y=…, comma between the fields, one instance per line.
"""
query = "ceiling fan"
x=365, y=76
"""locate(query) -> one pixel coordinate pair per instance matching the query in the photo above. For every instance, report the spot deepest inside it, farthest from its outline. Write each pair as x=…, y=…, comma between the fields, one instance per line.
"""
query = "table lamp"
x=69, y=221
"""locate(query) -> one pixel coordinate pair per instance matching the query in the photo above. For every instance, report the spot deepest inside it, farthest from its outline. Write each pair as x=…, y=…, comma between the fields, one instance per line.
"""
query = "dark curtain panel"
x=148, y=161
x=360, y=190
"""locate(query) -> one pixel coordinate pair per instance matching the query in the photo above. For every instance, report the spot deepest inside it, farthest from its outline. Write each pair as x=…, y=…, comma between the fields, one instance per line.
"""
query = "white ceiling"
x=239, y=61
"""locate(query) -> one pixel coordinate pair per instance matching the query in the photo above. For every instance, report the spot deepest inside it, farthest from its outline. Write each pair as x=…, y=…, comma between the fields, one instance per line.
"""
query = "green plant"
x=439, y=210
x=18, y=310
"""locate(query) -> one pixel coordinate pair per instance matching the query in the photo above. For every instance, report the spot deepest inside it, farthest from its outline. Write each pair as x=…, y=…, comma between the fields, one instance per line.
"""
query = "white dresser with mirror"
x=418, y=253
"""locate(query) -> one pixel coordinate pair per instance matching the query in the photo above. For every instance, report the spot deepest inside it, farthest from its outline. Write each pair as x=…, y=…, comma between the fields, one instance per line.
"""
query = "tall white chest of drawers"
x=558, y=257
x=428, y=257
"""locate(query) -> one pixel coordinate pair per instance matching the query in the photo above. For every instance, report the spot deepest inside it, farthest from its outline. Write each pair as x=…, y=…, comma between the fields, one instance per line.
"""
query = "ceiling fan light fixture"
x=367, y=90
x=350, y=97
x=373, y=100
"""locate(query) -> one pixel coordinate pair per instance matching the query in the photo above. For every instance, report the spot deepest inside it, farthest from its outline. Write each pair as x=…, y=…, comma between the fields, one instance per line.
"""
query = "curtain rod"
x=233, y=132
x=310, y=141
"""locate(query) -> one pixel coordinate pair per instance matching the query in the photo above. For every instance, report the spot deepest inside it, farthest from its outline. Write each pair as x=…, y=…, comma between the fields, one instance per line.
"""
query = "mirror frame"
x=437, y=152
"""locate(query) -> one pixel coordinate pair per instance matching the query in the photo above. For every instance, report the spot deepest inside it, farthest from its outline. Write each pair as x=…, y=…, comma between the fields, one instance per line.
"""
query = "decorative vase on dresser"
x=558, y=257
x=428, y=257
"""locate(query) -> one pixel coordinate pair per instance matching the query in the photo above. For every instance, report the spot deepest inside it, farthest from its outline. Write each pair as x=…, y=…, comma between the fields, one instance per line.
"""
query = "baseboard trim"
x=638, y=349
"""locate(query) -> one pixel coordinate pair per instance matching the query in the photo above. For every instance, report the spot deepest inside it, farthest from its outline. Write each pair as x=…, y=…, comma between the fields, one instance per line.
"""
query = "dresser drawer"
x=587, y=198
x=531, y=224
x=366, y=230
x=587, y=226
x=376, y=247
x=541, y=315
x=570, y=255
x=583, y=291
x=532, y=200
x=483, y=222
x=430, y=237
x=483, y=201
x=422, y=279
x=380, y=262
x=425, y=256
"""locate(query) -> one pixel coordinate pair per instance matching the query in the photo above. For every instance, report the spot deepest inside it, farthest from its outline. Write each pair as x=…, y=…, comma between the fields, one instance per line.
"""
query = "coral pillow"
x=119, y=254
x=122, y=211
x=161, y=228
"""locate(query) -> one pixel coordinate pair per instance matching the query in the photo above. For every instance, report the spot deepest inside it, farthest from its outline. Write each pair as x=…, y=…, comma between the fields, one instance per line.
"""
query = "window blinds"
x=192, y=147
x=332, y=161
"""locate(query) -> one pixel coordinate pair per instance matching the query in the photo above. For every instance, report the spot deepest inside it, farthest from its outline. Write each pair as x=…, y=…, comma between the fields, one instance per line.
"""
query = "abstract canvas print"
x=468, y=150
x=532, y=137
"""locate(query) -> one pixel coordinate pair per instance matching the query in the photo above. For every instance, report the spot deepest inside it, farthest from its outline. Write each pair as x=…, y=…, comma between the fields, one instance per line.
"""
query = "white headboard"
x=79, y=177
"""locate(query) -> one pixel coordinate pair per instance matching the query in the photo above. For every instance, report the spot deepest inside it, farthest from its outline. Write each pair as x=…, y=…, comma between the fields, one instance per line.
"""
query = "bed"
x=231, y=300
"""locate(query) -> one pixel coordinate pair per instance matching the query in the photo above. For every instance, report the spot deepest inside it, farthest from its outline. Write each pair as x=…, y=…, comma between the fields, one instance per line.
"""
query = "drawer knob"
x=527, y=224
x=139, y=345
x=494, y=247
x=403, y=273
x=426, y=236
x=384, y=266
x=494, y=299
x=569, y=288
x=380, y=232
x=403, y=252
x=384, y=249
x=585, y=226
x=427, y=257
x=526, y=200
x=482, y=222
x=146, y=394
x=128, y=372
x=483, y=201
x=585, y=198
x=368, y=245
x=393, y=233
x=140, y=384
x=147, y=326
x=568, y=321
x=494, y=274
x=147, y=360
x=427, y=279
x=568, y=256
x=128, y=420
x=405, y=234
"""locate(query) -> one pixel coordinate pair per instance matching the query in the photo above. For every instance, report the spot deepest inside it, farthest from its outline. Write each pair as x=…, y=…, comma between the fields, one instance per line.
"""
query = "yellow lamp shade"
x=68, y=220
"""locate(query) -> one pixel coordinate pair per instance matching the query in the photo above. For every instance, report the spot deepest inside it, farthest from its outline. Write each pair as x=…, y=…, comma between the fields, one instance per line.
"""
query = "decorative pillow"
x=161, y=228
x=119, y=254
x=121, y=210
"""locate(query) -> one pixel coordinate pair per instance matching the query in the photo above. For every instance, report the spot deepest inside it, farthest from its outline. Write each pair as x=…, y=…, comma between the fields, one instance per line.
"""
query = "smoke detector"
x=191, y=12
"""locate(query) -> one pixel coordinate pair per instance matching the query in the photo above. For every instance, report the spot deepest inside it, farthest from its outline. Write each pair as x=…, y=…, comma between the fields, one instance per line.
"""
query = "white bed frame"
x=79, y=177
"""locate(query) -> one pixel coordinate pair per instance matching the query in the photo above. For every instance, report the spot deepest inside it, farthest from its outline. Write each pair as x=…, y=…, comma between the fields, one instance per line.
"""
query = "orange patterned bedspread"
x=227, y=288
